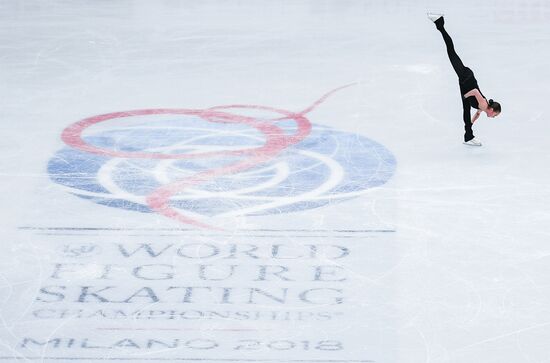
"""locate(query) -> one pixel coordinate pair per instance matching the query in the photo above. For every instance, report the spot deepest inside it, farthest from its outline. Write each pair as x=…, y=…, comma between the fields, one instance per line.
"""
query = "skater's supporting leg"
x=469, y=134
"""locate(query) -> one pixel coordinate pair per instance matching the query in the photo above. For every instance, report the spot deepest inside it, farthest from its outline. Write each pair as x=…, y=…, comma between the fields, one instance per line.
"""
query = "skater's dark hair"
x=495, y=106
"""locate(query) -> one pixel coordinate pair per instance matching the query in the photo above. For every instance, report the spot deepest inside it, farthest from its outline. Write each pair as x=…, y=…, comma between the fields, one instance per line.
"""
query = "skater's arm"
x=476, y=116
x=481, y=101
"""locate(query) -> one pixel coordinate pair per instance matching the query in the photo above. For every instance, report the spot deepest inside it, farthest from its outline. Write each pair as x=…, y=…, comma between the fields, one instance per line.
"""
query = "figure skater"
x=469, y=90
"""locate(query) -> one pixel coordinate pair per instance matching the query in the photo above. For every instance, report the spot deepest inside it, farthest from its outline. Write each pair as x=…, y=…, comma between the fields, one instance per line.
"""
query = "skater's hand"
x=476, y=116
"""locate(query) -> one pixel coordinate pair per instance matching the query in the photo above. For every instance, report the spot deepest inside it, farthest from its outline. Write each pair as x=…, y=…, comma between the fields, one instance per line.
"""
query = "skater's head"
x=494, y=109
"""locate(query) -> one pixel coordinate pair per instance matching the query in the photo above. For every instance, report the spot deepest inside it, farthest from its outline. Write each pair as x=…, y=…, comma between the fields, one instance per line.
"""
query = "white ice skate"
x=434, y=16
x=473, y=142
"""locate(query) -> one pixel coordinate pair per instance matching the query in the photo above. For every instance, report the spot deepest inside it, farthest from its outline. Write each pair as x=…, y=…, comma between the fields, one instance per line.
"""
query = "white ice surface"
x=464, y=274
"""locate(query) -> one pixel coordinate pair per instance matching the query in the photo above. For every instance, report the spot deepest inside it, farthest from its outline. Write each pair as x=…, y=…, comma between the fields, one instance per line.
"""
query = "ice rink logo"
x=195, y=165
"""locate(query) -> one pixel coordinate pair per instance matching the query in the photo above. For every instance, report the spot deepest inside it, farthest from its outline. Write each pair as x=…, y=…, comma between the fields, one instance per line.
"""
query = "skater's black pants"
x=466, y=81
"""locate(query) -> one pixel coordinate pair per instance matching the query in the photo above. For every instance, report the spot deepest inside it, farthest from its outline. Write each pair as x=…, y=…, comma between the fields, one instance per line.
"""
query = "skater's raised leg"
x=456, y=62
